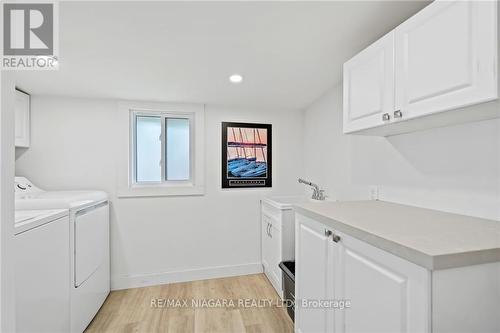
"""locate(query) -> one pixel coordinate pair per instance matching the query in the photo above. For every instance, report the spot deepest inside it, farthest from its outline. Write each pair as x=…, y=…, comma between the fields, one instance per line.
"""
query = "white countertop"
x=429, y=238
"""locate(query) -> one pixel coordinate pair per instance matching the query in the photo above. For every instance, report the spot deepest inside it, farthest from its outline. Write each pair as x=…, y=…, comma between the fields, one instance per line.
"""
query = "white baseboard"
x=144, y=280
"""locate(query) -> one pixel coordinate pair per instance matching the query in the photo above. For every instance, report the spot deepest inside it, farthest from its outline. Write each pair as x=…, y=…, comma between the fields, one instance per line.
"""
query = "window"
x=147, y=149
x=165, y=150
x=177, y=148
x=162, y=147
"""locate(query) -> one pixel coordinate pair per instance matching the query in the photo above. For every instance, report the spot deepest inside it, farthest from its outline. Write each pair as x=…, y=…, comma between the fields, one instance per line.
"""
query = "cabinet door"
x=275, y=257
x=22, y=120
x=265, y=244
x=387, y=293
x=311, y=276
x=446, y=57
x=369, y=86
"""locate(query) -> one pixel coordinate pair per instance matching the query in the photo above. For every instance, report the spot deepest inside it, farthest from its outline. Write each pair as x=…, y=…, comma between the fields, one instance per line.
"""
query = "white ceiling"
x=288, y=52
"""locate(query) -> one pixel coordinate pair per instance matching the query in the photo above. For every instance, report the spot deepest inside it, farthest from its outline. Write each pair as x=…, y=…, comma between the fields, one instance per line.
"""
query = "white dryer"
x=88, y=244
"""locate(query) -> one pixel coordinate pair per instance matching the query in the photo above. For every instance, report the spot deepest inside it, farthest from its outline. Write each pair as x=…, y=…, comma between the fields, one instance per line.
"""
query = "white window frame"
x=133, y=147
x=128, y=186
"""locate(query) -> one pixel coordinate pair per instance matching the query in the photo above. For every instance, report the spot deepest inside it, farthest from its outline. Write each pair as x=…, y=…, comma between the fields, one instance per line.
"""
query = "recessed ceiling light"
x=236, y=78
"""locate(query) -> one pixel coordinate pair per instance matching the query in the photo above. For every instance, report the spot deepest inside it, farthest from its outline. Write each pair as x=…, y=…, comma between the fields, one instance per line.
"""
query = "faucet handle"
x=321, y=195
x=318, y=194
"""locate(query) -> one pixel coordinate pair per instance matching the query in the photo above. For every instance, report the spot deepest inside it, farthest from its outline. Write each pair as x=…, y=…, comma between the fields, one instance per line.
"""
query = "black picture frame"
x=246, y=156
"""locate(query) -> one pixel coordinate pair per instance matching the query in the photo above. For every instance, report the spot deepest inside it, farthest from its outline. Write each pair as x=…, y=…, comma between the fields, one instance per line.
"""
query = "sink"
x=314, y=200
x=285, y=202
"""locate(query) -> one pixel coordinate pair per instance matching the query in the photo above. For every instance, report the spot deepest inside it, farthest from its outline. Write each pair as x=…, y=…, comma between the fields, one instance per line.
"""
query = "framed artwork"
x=246, y=155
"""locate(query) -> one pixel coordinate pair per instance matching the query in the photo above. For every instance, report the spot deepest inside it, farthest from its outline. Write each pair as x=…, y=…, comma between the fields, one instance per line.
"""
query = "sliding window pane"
x=177, y=149
x=148, y=149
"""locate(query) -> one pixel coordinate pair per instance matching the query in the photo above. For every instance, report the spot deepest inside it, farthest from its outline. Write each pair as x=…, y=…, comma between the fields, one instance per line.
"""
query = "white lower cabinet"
x=385, y=292
x=311, y=269
x=270, y=238
x=277, y=241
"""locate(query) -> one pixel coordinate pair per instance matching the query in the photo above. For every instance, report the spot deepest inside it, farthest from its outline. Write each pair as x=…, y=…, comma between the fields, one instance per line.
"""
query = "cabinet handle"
x=328, y=233
x=270, y=230
x=386, y=117
x=267, y=231
x=336, y=238
x=398, y=114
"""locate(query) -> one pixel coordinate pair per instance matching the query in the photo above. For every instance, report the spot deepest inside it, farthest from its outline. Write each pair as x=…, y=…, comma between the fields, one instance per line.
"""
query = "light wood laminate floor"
x=142, y=310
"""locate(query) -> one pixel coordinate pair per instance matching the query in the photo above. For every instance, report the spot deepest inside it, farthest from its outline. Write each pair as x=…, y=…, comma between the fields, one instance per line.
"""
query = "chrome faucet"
x=318, y=194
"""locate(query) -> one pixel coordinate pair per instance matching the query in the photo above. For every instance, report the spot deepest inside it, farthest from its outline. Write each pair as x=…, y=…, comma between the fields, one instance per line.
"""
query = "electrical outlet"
x=373, y=192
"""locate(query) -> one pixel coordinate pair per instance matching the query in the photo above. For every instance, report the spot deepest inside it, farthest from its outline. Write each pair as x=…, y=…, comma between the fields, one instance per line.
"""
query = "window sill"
x=160, y=191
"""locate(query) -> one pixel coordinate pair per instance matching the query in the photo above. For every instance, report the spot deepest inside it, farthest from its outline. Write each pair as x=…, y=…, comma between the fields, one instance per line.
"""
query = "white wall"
x=455, y=168
x=158, y=239
x=166, y=239
x=7, y=291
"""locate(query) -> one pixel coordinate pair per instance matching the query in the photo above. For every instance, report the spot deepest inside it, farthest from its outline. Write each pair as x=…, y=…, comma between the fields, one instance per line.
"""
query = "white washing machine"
x=88, y=244
x=42, y=271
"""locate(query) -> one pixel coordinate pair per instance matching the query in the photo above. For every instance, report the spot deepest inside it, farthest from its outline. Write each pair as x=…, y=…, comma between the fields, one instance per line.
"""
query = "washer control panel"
x=23, y=185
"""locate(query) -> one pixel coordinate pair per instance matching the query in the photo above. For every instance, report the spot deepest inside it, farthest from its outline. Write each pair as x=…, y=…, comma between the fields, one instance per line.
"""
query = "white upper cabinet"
x=444, y=58
x=369, y=86
x=22, y=120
